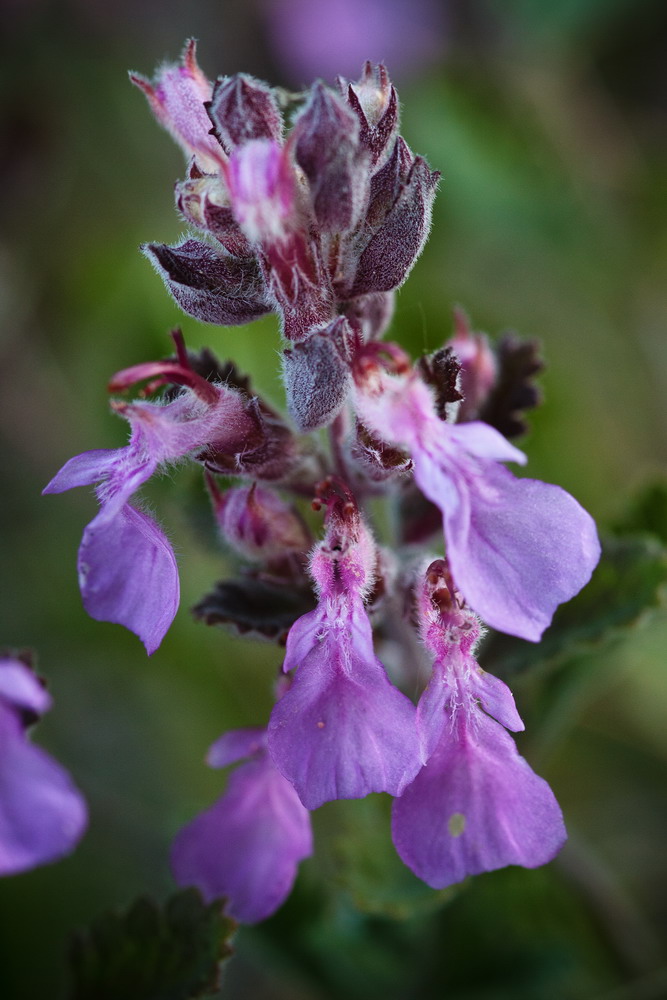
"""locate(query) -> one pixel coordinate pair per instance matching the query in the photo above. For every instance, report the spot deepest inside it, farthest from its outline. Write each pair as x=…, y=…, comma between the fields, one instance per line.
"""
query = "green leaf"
x=153, y=953
x=628, y=585
x=355, y=851
x=647, y=514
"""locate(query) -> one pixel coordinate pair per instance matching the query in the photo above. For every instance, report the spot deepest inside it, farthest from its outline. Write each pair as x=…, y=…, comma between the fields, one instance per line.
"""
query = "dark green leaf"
x=628, y=584
x=648, y=513
x=255, y=607
x=515, y=390
x=153, y=953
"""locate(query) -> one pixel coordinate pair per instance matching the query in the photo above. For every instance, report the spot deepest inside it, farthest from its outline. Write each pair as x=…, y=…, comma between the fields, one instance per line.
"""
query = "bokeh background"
x=548, y=122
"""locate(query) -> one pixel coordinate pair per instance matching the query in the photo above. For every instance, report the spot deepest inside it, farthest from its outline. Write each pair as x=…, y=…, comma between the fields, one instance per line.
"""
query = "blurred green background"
x=548, y=122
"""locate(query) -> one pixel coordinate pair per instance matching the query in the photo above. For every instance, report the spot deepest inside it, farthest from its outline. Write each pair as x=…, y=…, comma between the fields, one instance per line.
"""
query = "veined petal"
x=476, y=806
x=42, y=813
x=247, y=846
x=128, y=575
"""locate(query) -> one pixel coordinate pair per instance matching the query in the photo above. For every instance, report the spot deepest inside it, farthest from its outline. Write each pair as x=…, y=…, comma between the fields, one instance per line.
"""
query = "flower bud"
x=262, y=190
x=479, y=368
x=211, y=286
x=317, y=375
x=257, y=523
x=204, y=203
x=242, y=109
x=176, y=98
x=394, y=247
x=375, y=103
x=326, y=139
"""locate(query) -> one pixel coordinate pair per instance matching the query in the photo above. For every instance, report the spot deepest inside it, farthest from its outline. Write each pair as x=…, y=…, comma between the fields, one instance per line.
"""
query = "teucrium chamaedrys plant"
x=320, y=223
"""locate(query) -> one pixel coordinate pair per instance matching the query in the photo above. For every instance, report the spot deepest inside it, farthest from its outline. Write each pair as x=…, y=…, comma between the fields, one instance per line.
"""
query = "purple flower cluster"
x=321, y=225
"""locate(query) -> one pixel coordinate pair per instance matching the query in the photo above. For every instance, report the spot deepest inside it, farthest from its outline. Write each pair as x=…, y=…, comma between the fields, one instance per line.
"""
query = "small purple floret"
x=476, y=805
x=127, y=569
x=342, y=730
x=248, y=845
x=517, y=547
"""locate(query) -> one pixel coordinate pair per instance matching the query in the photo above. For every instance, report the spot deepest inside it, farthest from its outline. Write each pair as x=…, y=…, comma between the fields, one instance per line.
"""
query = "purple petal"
x=235, y=745
x=247, y=846
x=517, y=547
x=343, y=730
x=303, y=636
x=42, y=813
x=476, y=806
x=497, y=700
x=128, y=574
x=485, y=442
x=433, y=709
x=84, y=469
x=20, y=688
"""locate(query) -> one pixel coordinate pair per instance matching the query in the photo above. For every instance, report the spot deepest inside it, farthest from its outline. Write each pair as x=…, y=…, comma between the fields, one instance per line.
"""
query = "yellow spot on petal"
x=320, y=725
x=456, y=824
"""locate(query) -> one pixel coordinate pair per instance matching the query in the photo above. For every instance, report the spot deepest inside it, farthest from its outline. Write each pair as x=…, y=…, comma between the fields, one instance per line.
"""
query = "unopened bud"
x=375, y=102
x=176, y=98
x=479, y=368
x=261, y=188
x=317, y=375
x=258, y=524
x=326, y=139
x=242, y=109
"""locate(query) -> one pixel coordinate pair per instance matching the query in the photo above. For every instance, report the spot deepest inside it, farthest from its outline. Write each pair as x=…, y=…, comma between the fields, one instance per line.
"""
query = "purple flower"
x=127, y=568
x=320, y=38
x=42, y=813
x=342, y=730
x=476, y=805
x=248, y=845
x=517, y=547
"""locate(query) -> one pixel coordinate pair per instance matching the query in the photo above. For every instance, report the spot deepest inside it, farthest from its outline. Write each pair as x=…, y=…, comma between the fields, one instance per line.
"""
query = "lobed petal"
x=42, y=813
x=248, y=845
x=528, y=547
x=475, y=806
x=517, y=547
x=128, y=574
x=21, y=688
x=85, y=469
x=343, y=730
x=497, y=700
x=235, y=745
